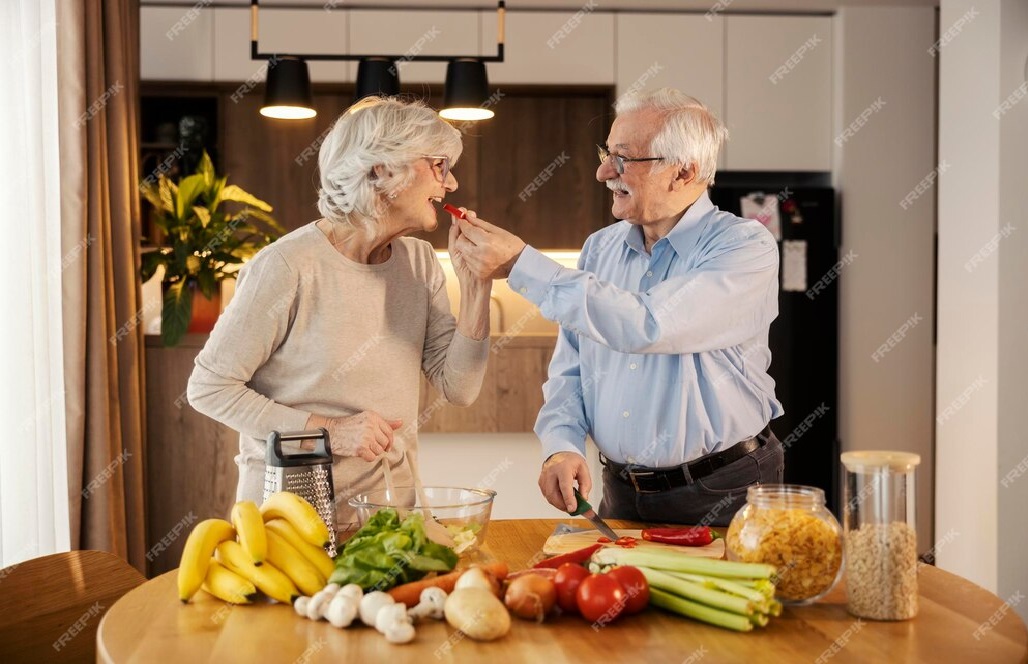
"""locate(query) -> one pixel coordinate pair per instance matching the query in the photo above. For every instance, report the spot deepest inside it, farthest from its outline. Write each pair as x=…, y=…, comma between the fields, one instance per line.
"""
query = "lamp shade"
x=377, y=76
x=467, y=91
x=287, y=94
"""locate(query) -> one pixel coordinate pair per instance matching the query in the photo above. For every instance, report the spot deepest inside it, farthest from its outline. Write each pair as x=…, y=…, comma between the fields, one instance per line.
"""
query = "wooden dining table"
x=958, y=621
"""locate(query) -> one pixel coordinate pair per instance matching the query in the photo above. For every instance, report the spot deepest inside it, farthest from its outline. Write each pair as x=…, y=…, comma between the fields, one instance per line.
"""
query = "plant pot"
x=205, y=312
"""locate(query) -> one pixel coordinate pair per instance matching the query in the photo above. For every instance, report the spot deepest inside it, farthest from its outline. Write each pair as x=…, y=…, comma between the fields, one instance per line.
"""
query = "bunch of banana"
x=279, y=551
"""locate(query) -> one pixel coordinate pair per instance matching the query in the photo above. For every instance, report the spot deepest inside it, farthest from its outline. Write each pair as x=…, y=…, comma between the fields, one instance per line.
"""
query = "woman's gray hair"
x=377, y=131
x=691, y=135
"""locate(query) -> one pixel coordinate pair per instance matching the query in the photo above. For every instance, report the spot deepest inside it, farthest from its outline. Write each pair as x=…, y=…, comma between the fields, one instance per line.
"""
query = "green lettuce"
x=387, y=552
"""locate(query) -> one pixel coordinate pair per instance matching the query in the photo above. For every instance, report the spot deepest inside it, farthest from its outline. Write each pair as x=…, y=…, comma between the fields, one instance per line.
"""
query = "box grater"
x=307, y=474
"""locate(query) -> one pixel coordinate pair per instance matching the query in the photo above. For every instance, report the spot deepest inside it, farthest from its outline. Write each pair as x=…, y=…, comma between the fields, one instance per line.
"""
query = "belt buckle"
x=634, y=477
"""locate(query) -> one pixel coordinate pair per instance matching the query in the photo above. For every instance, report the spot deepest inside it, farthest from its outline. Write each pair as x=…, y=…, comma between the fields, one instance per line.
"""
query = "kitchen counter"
x=149, y=624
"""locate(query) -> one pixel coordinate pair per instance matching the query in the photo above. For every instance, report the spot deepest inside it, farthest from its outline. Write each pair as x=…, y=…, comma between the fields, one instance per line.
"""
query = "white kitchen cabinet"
x=175, y=43
x=280, y=31
x=417, y=33
x=679, y=51
x=778, y=87
x=308, y=31
x=575, y=48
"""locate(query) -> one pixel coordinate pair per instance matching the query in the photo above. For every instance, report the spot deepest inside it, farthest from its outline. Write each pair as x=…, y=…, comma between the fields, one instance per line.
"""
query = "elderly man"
x=662, y=354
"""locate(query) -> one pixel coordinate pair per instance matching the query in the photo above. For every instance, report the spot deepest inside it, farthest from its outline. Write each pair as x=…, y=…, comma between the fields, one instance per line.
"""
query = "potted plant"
x=204, y=241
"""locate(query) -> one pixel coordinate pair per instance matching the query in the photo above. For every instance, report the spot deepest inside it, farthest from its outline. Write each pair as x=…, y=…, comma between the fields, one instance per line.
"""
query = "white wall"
x=507, y=463
x=886, y=404
x=1013, y=278
x=982, y=309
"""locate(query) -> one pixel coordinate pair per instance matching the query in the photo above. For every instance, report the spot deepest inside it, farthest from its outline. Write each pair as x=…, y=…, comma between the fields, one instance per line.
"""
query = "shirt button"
x=649, y=273
x=632, y=366
x=624, y=414
x=522, y=290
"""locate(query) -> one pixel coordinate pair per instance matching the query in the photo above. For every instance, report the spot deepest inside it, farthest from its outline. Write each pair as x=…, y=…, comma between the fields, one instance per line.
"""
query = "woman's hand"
x=366, y=435
x=460, y=264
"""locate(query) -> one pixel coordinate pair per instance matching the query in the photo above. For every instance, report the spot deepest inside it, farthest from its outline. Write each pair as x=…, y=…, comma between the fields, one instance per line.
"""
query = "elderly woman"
x=332, y=325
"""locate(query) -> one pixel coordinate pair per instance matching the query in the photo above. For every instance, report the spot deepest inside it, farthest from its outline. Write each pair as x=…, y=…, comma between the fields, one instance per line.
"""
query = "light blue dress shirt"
x=662, y=357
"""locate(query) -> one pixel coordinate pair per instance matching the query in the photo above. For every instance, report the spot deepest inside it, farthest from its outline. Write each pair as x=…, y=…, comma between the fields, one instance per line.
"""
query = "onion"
x=476, y=577
x=531, y=597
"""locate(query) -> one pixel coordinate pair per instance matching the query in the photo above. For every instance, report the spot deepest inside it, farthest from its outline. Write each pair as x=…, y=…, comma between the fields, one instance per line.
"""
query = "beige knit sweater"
x=310, y=331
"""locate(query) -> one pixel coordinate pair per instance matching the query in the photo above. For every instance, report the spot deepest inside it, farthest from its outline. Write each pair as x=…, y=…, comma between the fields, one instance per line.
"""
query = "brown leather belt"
x=653, y=480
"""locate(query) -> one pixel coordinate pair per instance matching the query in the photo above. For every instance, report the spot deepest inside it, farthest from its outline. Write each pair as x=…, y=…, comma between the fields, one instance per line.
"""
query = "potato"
x=478, y=613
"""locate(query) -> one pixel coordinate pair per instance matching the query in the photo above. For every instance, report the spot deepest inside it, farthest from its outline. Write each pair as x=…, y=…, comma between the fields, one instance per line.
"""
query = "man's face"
x=643, y=193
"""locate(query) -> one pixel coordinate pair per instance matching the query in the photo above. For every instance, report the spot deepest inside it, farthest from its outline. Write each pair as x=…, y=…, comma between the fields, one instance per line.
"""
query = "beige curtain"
x=98, y=72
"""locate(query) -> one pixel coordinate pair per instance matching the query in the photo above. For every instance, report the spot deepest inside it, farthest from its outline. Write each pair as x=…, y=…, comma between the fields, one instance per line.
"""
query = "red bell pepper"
x=693, y=536
x=578, y=557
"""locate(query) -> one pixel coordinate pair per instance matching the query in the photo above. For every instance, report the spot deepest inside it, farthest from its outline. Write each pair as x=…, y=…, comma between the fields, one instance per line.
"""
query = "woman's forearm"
x=473, y=319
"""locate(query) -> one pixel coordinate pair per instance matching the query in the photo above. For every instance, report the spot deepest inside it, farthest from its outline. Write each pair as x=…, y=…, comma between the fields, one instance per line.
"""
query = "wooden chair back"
x=50, y=607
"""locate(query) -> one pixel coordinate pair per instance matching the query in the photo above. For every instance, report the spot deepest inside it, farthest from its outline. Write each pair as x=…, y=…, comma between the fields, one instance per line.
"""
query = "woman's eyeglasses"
x=440, y=164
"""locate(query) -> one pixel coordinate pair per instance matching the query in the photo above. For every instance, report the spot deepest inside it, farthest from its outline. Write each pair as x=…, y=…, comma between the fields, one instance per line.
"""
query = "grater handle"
x=275, y=457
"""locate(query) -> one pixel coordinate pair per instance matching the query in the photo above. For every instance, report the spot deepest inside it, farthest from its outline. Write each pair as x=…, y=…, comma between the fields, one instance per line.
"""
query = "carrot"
x=410, y=593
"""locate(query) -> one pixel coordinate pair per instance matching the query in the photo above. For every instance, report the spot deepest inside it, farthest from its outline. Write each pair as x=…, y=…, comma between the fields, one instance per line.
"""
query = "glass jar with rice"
x=788, y=526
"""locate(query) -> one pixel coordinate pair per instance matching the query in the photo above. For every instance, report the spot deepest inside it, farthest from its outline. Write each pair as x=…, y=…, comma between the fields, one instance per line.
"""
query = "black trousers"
x=709, y=501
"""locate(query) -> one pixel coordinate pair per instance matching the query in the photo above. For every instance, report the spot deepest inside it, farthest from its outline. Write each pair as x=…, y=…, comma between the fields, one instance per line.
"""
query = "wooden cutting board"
x=568, y=542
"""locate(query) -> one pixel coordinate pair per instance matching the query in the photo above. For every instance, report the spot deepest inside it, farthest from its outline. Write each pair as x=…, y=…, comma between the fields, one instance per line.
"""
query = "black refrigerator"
x=804, y=339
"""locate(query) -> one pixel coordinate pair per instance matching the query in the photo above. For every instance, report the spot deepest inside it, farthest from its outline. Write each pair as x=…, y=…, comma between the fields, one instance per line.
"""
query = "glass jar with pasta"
x=788, y=526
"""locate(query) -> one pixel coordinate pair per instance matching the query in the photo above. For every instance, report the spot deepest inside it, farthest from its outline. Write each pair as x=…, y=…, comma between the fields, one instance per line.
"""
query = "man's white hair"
x=377, y=131
x=691, y=135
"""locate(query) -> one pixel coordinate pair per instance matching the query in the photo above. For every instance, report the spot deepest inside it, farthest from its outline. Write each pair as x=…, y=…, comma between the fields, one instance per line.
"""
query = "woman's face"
x=415, y=207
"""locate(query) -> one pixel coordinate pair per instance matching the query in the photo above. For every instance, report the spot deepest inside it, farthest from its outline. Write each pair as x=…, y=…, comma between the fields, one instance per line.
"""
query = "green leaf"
x=188, y=189
x=266, y=218
x=176, y=312
x=234, y=193
x=205, y=280
x=203, y=214
x=165, y=191
x=151, y=260
x=206, y=170
x=151, y=193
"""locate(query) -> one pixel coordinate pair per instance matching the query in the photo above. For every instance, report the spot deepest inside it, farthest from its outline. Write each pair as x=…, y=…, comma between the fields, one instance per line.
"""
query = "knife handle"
x=583, y=505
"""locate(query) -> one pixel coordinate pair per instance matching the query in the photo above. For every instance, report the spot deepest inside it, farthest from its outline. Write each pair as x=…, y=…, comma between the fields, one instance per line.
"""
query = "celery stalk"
x=700, y=612
x=775, y=608
x=676, y=562
x=759, y=619
x=724, y=584
x=696, y=592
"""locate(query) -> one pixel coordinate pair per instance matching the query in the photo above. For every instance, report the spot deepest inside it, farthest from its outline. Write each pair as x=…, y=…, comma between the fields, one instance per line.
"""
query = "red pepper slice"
x=578, y=557
x=604, y=540
x=626, y=542
x=693, y=536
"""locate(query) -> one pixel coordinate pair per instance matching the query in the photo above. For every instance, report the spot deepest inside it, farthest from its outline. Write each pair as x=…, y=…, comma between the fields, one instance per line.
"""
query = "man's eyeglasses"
x=619, y=160
x=442, y=168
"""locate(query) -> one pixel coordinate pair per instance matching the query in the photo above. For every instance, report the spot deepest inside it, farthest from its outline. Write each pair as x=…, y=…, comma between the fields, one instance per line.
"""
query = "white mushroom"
x=430, y=604
x=371, y=603
x=318, y=604
x=333, y=587
x=352, y=590
x=300, y=606
x=389, y=615
x=342, y=610
x=400, y=633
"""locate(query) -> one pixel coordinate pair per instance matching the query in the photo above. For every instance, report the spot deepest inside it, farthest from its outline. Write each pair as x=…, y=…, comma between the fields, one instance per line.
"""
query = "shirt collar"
x=684, y=234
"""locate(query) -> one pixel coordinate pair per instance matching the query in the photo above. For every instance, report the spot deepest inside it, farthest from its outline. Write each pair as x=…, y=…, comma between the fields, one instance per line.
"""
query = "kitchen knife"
x=585, y=509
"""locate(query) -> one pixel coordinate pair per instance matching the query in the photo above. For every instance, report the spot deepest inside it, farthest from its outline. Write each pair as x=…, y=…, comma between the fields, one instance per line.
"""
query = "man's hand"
x=558, y=476
x=366, y=434
x=488, y=251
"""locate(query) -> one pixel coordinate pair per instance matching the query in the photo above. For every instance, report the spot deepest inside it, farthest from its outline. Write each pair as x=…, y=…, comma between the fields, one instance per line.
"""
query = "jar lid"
x=867, y=460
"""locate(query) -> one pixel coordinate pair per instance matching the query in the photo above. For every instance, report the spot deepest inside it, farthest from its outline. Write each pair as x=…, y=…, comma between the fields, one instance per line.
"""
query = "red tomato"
x=567, y=579
x=601, y=598
x=637, y=591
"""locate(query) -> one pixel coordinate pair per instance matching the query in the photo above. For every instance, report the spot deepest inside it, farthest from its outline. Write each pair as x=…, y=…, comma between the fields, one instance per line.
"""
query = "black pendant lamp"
x=377, y=77
x=467, y=91
x=287, y=93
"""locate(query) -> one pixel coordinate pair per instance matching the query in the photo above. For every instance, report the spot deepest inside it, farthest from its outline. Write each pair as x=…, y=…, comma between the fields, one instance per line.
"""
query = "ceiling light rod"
x=501, y=10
